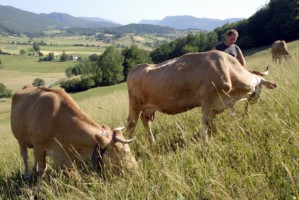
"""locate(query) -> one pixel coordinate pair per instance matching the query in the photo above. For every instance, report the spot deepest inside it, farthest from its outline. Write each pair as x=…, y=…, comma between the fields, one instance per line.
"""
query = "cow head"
x=114, y=150
x=254, y=97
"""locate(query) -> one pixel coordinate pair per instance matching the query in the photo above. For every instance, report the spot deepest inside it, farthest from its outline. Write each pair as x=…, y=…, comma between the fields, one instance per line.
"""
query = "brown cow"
x=280, y=50
x=50, y=122
x=213, y=80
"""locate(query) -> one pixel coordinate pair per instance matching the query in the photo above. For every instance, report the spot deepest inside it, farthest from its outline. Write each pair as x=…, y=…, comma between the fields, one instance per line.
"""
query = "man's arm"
x=240, y=57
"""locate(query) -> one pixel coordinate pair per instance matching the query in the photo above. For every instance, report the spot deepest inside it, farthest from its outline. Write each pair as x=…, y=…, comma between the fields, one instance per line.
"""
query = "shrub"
x=38, y=82
x=4, y=92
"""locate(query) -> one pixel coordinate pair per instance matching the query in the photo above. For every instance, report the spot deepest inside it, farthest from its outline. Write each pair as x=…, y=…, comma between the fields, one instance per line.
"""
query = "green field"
x=75, y=45
x=254, y=158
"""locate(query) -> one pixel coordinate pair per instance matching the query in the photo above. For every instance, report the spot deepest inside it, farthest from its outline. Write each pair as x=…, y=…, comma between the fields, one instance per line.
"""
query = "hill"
x=190, y=22
x=17, y=21
x=98, y=19
x=79, y=22
x=13, y=20
x=255, y=157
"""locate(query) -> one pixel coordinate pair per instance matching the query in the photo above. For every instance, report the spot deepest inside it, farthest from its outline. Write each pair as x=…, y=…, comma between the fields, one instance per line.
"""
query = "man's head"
x=231, y=36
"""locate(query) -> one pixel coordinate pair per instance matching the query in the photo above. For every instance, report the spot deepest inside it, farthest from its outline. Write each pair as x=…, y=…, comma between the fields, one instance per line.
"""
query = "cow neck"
x=97, y=157
x=254, y=93
x=99, y=153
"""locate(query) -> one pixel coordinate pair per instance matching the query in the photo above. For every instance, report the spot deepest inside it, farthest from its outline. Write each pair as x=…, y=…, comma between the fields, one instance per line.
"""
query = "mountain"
x=140, y=29
x=189, y=22
x=148, y=21
x=79, y=22
x=98, y=19
x=13, y=20
x=16, y=20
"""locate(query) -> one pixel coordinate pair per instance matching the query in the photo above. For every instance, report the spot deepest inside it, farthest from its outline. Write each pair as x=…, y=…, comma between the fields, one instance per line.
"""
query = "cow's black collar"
x=97, y=157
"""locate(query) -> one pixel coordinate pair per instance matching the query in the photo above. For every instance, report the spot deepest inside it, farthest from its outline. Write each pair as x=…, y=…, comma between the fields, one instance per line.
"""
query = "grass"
x=253, y=158
x=18, y=71
x=75, y=45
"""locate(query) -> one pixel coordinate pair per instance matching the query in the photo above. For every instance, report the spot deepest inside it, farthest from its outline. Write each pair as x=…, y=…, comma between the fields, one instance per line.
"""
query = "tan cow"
x=213, y=80
x=50, y=122
x=280, y=50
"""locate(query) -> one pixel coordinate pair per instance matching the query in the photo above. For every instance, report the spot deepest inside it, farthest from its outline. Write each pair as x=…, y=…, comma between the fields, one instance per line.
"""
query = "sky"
x=133, y=11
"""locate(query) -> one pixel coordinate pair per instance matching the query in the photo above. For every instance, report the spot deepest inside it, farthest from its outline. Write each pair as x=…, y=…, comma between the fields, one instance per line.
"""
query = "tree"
x=110, y=64
x=4, y=92
x=97, y=74
x=212, y=39
x=68, y=72
x=134, y=56
x=36, y=47
x=22, y=52
x=94, y=58
x=64, y=57
x=285, y=20
x=162, y=52
x=277, y=20
x=51, y=56
x=86, y=83
x=38, y=82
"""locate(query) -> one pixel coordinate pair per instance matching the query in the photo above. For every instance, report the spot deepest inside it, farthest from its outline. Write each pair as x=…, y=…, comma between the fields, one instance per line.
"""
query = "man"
x=229, y=46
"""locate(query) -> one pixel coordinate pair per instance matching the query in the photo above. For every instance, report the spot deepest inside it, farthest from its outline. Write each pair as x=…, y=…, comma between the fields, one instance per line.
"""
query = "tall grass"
x=252, y=158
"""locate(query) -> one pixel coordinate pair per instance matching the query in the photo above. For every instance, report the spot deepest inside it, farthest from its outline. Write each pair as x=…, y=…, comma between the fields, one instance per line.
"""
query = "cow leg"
x=132, y=120
x=207, y=123
x=35, y=169
x=246, y=109
x=40, y=156
x=24, y=154
x=147, y=118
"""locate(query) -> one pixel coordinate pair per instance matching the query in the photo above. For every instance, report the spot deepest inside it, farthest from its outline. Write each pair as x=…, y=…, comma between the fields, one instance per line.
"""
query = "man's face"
x=231, y=39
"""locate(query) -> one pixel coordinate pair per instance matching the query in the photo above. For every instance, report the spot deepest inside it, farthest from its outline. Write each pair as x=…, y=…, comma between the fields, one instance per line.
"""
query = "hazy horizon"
x=133, y=11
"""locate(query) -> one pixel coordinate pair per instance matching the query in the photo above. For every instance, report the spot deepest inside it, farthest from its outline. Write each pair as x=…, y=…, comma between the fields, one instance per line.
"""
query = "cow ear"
x=269, y=85
x=102, y=140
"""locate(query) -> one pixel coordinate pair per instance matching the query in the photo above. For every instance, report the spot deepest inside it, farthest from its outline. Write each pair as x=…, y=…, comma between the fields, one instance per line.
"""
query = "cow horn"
x=119, y=128
x=119, y=139
x=265, y=72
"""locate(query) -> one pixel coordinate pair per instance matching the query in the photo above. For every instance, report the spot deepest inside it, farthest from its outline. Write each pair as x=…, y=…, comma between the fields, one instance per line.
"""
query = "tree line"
x=277, y=20
x=110, y=68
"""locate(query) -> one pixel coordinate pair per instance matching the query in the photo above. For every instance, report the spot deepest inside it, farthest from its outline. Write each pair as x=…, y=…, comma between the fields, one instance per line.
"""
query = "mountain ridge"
x=14, y=20
x=189, y=22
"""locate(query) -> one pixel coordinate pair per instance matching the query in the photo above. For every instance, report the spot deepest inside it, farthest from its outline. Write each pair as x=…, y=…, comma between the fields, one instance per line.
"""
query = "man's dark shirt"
x=232, y=50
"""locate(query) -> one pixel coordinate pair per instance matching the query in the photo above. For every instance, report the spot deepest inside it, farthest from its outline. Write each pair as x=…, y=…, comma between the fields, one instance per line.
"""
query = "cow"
x=211, y=80
x=280, y=50
x=50, y=122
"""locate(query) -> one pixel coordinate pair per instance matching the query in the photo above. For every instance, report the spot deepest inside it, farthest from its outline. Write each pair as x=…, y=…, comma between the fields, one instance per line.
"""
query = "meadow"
x=252, y=158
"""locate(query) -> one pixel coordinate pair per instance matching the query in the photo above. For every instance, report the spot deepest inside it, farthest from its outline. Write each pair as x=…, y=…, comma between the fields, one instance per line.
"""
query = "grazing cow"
x=213, y=80
x=50, y=122
x=280, y=50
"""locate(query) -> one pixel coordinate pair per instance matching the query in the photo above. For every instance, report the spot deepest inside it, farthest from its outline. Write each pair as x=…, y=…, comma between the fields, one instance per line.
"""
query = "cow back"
x=183, y=83
x=279, y=47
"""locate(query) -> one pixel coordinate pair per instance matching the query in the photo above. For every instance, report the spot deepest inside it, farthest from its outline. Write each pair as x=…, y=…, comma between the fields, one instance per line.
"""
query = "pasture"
x=77, y=45
x=253, y=158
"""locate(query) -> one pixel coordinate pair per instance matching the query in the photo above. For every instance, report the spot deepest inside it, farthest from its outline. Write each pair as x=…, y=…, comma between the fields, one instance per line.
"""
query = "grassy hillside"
x=79, y=45
x=254, y=158
x=22, y=21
